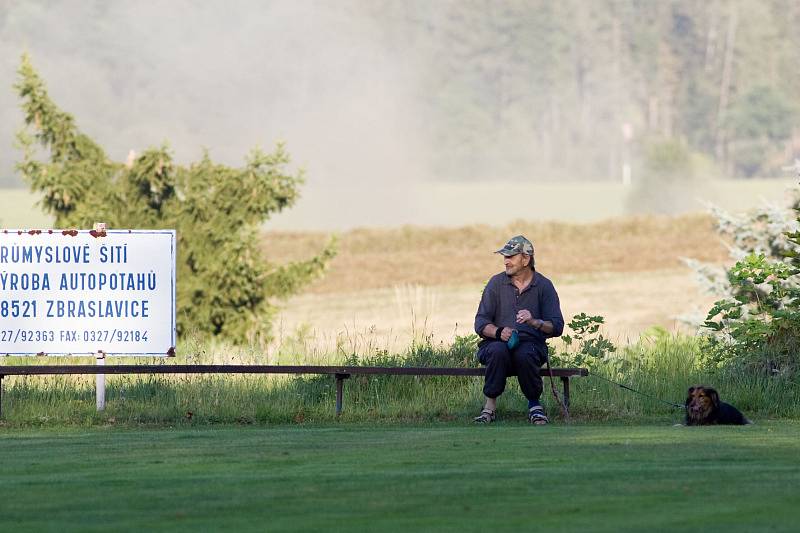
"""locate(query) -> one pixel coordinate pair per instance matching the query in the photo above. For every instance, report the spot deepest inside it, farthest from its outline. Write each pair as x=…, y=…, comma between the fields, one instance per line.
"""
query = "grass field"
x=461, y=204
x=443, y=477
x=261, y=453
x=337, y=207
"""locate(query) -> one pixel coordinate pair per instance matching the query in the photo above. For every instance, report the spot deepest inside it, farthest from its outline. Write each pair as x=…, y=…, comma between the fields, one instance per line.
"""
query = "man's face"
x=515, y=263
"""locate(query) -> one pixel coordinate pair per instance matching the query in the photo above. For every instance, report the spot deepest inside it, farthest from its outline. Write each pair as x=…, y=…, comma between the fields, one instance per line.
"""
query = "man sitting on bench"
x=519, y=310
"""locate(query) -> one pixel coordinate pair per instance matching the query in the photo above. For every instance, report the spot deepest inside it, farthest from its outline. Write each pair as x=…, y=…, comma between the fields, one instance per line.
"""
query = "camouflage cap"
x=516, y=245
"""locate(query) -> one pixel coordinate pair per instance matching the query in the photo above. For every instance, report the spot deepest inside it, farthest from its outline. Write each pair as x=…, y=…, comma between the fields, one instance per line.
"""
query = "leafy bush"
x=756, y=326
x=763, y=230
x=759, y=328
x=225, y=287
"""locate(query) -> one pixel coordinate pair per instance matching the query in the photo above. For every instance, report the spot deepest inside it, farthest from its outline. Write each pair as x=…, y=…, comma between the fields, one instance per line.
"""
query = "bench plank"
x=30, y=370
x=339, y=372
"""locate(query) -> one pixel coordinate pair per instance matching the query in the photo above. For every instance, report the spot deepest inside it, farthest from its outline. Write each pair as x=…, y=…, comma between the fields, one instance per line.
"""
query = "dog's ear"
x=689, y=395
x=712, y=393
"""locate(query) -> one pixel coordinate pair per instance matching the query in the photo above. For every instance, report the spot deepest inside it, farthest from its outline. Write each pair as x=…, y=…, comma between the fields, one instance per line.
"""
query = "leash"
x=559, y=400
x=677, y=405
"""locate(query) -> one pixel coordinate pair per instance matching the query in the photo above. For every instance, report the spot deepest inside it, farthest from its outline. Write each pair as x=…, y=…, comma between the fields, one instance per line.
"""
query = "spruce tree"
x=225, y=286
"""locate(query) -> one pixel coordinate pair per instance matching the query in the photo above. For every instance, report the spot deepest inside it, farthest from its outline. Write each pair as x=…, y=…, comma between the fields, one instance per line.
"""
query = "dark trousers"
x=524, y=361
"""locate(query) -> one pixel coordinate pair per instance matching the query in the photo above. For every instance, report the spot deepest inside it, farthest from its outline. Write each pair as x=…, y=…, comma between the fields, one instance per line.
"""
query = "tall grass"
x=659, y=366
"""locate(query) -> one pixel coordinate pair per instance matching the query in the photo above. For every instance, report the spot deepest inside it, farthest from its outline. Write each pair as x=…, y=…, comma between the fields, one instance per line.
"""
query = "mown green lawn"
x=439, y=477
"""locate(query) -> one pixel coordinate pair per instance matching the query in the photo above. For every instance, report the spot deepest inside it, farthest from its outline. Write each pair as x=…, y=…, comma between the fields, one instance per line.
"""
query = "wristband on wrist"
x=498, y=333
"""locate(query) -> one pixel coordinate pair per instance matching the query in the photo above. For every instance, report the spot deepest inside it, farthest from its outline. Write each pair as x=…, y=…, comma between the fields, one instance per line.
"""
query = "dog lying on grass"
x=704, y=408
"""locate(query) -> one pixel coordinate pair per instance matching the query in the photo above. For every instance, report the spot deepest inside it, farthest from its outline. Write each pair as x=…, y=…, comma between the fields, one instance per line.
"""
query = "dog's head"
x=701, y=402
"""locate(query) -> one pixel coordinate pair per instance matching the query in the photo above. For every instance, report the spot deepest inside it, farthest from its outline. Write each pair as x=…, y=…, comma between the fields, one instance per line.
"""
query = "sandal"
x=537, y=417
x=486, y=417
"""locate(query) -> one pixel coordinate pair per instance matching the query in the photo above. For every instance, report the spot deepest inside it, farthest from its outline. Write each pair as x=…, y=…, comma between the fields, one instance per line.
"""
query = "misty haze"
x=418, y=112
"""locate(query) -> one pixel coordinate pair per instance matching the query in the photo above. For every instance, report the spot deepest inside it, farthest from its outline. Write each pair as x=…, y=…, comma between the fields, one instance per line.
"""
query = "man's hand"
x=490, y=332
x=523, y=316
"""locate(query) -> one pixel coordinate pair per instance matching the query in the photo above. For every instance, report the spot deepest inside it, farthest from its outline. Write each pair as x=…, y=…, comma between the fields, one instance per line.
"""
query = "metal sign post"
x=100, y=380
x=100, y=383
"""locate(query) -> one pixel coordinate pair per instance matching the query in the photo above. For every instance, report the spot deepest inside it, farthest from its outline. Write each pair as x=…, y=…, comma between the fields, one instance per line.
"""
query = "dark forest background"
x=435, y=91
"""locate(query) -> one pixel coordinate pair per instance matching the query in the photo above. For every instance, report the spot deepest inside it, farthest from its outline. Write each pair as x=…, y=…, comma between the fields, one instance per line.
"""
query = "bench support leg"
x=339, y=387
x=565, y=382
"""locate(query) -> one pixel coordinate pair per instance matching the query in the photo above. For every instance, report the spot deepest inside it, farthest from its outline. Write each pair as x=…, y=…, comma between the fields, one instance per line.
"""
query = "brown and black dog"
x=703, y=408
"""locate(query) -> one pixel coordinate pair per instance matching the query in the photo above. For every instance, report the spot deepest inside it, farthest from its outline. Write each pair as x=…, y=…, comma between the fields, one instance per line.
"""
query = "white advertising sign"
x=83, y=292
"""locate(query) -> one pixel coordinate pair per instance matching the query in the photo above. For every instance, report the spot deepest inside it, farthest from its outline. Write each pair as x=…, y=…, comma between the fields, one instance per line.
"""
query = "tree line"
x=575, y=88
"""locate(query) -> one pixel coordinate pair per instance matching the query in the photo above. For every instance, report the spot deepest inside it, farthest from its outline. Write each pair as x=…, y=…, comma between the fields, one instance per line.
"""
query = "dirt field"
x=388, y=286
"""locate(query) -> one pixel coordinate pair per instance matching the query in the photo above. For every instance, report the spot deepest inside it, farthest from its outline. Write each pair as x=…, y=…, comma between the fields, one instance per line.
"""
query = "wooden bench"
x=339, y=372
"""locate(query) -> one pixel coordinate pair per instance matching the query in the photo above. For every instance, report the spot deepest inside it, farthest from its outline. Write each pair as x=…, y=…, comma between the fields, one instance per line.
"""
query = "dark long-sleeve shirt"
x=501, y=300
